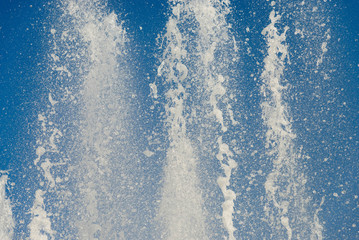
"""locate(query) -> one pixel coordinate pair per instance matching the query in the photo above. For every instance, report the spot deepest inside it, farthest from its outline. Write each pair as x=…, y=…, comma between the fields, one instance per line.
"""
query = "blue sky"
x=328, y=138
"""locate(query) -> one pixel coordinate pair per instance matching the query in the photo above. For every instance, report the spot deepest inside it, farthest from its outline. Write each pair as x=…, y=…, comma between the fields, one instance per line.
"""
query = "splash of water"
x=101, y=124
x=181, y=208
x=87, y=187
x=40, y=225
x=79, y=156
x=287, y=207
x=191, y=65
x=6, y=219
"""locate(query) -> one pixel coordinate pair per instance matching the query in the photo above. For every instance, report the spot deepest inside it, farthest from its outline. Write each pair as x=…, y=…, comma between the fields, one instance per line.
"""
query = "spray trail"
x=102, y=135
x=6, y=219
x=287, y=206
x=40, y=225
x=278, y=186
x=82, y=163
x=194, y=70
x=181, y=208
x=213, y=43
x=48, y=158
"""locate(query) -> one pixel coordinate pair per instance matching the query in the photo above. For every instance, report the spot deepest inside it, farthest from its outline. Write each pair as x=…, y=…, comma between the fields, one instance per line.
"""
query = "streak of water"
x=6, y=219
x=287, y=206
x=181, y=210
x=192, y=67
x=78, y=157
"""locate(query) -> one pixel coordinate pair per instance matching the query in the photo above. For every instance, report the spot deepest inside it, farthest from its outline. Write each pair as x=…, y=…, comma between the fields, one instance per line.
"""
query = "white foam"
x=153, y=90
x=6, y=220
x=217, y=91
x=207, y=21
x=181, y=210
x=235, y=47
x=324, y=48
x=54, y=57
x=63, y=69
x=224, y=183
x=213, y=31
x=231, y=115
x=51, y=100
x=46, y=167
x=101, y=116
x=285, y=184
x=40, y=225
x=285, y=223
x=39, y=152
x=279, y=134
x=317, y=229
x=148, y=153
x=90, y=47
x=47, y=142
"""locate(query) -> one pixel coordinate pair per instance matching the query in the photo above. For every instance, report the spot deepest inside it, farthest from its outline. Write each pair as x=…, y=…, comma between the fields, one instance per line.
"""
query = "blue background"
x=24, y=33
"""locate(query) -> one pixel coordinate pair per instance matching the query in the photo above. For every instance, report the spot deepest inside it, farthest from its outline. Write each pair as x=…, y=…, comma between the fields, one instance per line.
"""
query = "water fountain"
x=211, y=144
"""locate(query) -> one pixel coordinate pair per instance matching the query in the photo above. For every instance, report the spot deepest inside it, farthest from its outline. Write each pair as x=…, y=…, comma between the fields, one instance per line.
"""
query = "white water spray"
x=101, y=119
x=47, y=152
x=40, y=225
x=6, y=220
x=214, y=37
x=285, y=186
x=181, y=208
x=88, y=180
x=88, y=60
x=195, y=33
x=102, y=135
